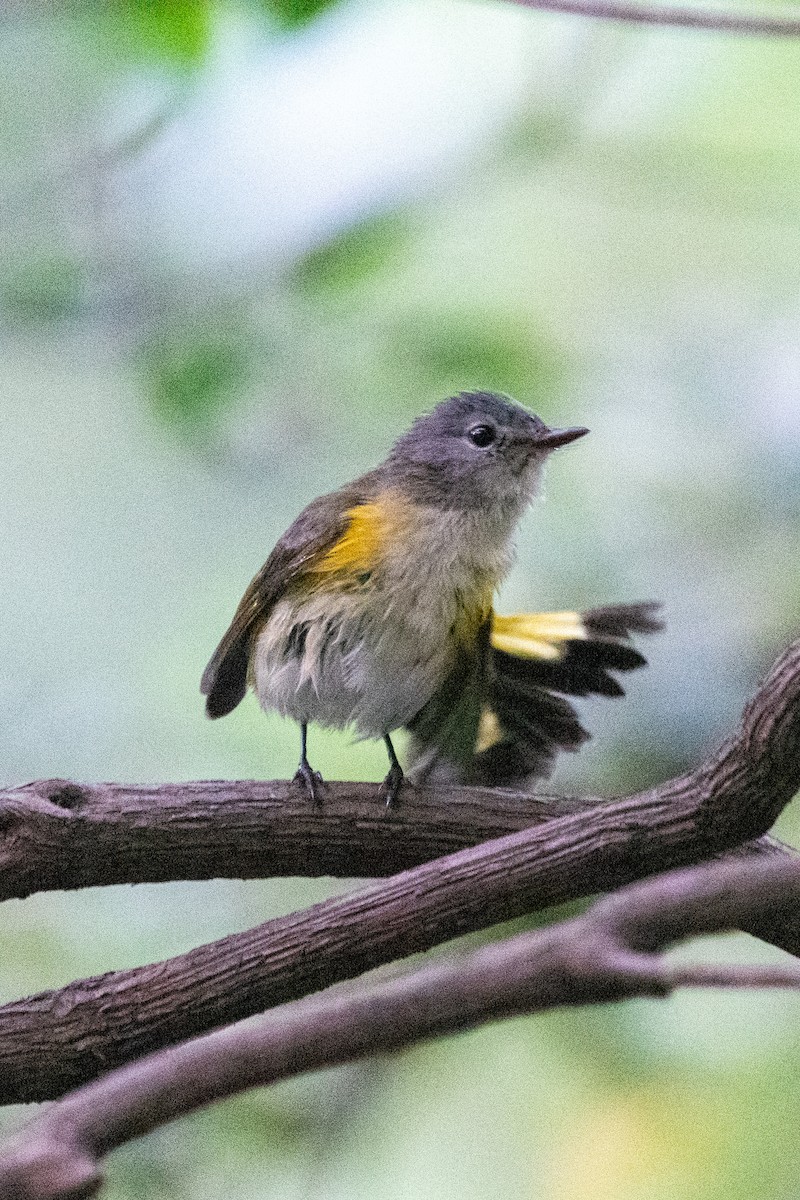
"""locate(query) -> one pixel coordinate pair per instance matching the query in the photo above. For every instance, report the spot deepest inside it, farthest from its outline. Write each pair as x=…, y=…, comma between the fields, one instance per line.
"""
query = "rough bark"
x=60, y=835
x=609, y=953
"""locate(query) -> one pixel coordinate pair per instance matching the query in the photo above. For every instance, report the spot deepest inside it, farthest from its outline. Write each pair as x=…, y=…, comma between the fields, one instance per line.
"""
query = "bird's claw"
x=311, y=780
x=390, y=788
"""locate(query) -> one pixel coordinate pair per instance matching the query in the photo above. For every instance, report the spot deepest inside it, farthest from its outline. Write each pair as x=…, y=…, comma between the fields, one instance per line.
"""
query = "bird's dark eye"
x=482, y=435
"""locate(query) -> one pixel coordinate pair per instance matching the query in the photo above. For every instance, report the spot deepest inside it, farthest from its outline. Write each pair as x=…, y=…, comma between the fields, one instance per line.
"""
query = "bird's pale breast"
x=369, y=633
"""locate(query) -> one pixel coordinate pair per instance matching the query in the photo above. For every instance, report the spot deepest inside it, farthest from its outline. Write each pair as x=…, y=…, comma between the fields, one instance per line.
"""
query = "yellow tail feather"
x=537, y=635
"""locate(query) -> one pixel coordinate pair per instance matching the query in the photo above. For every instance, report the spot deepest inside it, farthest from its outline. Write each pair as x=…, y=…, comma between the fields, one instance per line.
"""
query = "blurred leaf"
x=177, y=32
x=540, y=134
x=352, y=258
x=192, y=376
x=290, y=14
x=473, y=350
x=44, y=289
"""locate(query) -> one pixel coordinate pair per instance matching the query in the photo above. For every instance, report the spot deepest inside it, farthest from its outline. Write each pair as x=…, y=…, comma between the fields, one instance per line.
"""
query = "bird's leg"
x=393, y=781
x=305, y=774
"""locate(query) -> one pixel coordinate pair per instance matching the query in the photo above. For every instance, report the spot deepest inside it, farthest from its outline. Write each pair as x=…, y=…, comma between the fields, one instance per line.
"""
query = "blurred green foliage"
x=43, y=289
x=192, y=374
x=291, y=14
x=173, y=32
x=178, y=34
x=350, y=259
x=448, y=351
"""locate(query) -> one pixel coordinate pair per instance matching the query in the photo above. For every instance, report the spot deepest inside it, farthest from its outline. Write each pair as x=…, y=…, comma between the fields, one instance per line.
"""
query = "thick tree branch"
x=57, y=1040
x=59, y=835
x=55, y=834
x=609, y=953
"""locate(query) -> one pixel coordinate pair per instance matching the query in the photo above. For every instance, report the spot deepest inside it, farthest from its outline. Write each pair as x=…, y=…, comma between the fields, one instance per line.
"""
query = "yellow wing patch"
x=537, y=635
x=359, y=548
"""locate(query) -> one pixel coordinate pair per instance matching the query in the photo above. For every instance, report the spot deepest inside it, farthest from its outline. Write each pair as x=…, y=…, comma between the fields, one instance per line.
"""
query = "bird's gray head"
x=475, y=450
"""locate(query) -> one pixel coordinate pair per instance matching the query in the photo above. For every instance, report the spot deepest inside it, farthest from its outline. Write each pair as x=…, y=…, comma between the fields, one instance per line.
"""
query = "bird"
x=375, y=611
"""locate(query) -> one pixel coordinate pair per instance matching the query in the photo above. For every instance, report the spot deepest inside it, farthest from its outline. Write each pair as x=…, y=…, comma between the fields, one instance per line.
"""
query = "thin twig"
x=723, y=975
x=752, y=24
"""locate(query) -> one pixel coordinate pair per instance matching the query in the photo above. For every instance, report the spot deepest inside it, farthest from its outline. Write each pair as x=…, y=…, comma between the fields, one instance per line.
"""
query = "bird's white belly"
x=340, y=661
x=373, y=651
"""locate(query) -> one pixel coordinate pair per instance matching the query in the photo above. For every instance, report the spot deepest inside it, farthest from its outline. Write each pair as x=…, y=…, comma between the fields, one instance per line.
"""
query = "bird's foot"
x=390, y=788
x=311, y=780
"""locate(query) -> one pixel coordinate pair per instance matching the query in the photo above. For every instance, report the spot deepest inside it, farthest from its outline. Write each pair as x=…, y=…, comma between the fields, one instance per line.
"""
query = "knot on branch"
x=37, y=828
x=63, y=793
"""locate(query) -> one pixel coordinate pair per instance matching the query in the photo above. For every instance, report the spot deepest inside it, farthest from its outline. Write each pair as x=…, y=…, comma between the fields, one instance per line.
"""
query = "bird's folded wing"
x=306, y=546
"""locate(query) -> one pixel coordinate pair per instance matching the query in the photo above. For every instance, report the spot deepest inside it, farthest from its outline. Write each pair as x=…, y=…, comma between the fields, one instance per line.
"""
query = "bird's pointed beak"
x=551, y=439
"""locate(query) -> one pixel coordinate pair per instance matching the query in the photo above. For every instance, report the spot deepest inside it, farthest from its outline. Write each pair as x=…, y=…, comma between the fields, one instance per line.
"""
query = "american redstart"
x=374, y=610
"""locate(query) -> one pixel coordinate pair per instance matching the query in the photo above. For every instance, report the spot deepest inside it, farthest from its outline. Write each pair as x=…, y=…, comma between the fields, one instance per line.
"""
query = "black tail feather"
x=621, y=620
x=525, y=701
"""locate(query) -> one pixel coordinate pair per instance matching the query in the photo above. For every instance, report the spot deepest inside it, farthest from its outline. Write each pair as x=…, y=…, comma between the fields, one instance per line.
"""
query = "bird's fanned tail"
x=504, y=724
